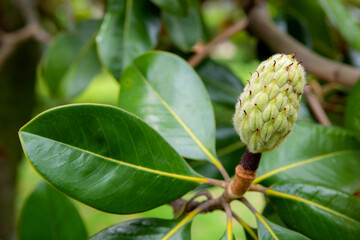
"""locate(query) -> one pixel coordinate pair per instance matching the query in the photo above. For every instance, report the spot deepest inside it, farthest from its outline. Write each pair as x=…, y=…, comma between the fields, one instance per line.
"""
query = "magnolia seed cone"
x=267, y=108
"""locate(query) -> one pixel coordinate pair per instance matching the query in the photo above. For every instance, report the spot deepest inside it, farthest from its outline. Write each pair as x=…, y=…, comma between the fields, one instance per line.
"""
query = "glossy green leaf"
x=71, y=62
x=314, y=153
x=270, y=214
x=129, y=28
x=184, y=31
x=166, y=92
x=223, y=86
x=343, y=19
x=48, y=214
x=148, y=228
x=316, y=211
x=352, y=117
x=271, y=231
x=106, y=158
x=177, y=7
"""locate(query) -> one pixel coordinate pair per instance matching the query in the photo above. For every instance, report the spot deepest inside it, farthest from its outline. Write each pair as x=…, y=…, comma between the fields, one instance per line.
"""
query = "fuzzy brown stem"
x=245, y=173
x=242, y=181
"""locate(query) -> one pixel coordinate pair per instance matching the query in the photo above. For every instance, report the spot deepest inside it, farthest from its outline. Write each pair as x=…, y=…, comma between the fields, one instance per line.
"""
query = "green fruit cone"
x=267, y=108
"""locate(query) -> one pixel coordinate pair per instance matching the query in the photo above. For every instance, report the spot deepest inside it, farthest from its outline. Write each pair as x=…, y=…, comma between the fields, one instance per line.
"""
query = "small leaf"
x=317, y=154
x=352, y=117
x=184, y=31
x=271, y=231
x=148, y=228
x=316, y=211
x=71, y=62
x=129, y=28
x=177, y=7
x=48, y=214
x=165, y=91
x=106, y=158
x=343, y=19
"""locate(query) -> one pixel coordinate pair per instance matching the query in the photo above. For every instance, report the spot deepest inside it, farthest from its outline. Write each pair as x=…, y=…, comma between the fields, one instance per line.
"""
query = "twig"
x=198, y=57
x=246, y=227
x=257, y=188
x=247, y=204
x=178, y=204
x=228, y=212
x=32, y=29
x=216, y=182
x=189, y=206
x=316, y=107
x=32, y=21
x=261, y=26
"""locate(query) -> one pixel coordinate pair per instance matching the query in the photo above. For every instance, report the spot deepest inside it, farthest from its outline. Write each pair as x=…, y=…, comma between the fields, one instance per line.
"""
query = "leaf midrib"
x=178, y=119
x=266, y=225
x=299, y=199
x=300, y=163
x=184, y=221
x=141, y=168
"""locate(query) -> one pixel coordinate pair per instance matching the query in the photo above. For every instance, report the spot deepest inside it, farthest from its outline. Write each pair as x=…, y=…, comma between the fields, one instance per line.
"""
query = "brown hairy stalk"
x=245, y=173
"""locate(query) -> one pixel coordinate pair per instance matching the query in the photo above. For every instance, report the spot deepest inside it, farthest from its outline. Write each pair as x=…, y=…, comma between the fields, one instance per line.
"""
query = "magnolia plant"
x=131, y=158
x=162, y=144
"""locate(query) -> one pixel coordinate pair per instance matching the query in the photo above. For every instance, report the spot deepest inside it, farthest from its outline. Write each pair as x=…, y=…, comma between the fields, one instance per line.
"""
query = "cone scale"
x=267, y=109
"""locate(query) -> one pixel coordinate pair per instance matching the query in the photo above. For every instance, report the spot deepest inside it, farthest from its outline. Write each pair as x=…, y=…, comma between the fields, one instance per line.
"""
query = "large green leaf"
x=177, y=7
x=271, y=231
x=71, y=62
x=316, y=211
x=148, y=228
x=106, y=158
x=223, y=86
x=184, y=31
x=166, y=92
x=270, y=214
x=352, y=117
x=343, y=19
x=317, y=154
x=48, y=214
x=129, y=28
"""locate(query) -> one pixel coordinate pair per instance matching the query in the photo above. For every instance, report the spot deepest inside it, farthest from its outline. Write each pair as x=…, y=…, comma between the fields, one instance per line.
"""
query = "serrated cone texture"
x=267, y=108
